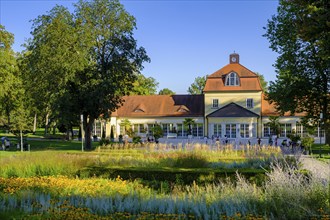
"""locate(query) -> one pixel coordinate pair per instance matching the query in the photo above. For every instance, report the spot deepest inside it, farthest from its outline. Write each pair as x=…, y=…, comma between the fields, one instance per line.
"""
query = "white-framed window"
x=215, y=103
x=268, y=132
x=249, y=103
x=319, y=132
x=122, y=129
x=217, y=130
x=245, y=131
x=180, y=129
x=197, y=130
x=142, y=128
x=135, y=128
x=149, y=128
x=301, y=130
x=285, y=130
x=167, y=128
x=232, y=79
x=231, y=130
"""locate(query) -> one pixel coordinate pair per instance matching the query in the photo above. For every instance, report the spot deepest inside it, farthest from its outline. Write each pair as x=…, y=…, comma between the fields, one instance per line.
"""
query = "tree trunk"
x=327, y=133
x=71, y=131
x=67, y=135
x=46, y=124
x=8, y=121
x=88, y=124
x=35, y=123
x=21, y=134
x=80, y=133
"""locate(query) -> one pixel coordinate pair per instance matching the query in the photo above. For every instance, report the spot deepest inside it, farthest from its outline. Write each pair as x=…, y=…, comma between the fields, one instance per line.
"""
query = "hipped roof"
x=249, y=81
x=268, y=109
x=161, y=106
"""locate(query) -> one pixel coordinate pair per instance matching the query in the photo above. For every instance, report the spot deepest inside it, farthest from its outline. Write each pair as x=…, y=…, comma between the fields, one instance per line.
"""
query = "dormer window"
x=183, y=108
x=232, y=79
x=138, y=110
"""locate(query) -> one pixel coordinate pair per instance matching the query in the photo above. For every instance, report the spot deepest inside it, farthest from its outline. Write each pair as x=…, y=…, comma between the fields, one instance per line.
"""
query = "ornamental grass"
x=51, y=163
x=286, y=194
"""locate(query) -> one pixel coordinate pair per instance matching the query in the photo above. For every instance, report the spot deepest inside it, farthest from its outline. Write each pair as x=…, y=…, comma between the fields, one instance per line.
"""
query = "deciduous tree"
x=198, y=85
x=144, y=85
x=21, y=120
x=263, y=82
x=53, y=57
x=9, y=81
x=166, y=91
x=274, y=125
x=89, y=57
x=106, y=29
x=300, y=34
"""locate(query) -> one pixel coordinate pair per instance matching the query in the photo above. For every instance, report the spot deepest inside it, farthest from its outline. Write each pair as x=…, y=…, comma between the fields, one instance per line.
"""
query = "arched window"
x=232, y=80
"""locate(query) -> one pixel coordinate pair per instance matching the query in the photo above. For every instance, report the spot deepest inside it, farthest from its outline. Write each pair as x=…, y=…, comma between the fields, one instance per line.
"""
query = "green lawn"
x=40, y=141
x=324, y=149
x=41, y=144
x=40, y=133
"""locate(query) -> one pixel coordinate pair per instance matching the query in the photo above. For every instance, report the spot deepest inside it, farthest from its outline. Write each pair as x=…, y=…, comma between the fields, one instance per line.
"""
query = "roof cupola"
x=234, y=58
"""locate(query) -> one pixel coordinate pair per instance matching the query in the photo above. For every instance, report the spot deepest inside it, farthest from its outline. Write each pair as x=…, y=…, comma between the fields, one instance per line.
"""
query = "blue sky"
x=184, y=39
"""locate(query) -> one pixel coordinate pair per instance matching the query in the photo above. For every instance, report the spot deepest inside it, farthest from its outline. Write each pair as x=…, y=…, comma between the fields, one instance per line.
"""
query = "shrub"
x=294, y=137
x=104, y=142
x=136, y=139
x=190, y=160
x=307, y=142
x=153, y=177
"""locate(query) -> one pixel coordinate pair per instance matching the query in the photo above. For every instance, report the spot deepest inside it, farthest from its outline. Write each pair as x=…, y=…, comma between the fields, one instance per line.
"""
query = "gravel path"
x=318, y=168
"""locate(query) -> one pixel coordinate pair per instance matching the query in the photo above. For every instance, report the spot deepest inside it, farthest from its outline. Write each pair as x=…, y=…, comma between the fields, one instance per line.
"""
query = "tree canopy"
x=198, y=85
x=7, y=60
x=85, y=61
x=299, y=33
x=10, y=82
x=144, y=86
x=166, y=91
x=263, y=82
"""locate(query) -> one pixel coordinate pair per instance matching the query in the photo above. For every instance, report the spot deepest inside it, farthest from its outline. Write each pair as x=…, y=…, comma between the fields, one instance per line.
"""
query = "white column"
x=238, y=129
x=211, y=129
x=223, y=129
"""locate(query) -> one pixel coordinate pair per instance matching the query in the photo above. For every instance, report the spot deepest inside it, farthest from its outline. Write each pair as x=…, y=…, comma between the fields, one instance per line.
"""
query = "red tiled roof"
x=268, y=109
x=249, y=81
x=161, y=105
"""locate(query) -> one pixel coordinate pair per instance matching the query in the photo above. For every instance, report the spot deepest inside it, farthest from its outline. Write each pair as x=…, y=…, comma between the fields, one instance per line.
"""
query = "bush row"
x=173, y=176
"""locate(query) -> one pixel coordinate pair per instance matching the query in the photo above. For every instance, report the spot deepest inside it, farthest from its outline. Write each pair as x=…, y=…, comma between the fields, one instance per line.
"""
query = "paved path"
x=318, y=168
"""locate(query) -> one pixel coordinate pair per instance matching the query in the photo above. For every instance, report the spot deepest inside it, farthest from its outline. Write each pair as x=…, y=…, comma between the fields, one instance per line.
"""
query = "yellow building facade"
x=232, y=107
